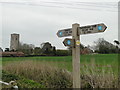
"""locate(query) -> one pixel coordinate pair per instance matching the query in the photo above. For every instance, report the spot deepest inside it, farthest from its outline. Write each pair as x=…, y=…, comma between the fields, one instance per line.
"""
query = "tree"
x=48, y=49
x=26, y=48
x=117, y=42
x=7, y=49
x=54, y=50
x=37, y=51
x=117, y=46
x=62, y=52
x=103, y=46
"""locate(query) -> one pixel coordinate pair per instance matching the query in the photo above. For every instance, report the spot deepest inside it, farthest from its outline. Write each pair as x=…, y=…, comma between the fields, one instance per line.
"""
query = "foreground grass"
x=97, y=71
x=50, y=77
x=54, y=77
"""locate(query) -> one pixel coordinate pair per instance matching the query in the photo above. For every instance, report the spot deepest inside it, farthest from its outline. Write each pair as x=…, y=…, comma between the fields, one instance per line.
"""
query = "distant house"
x=11, y=54
x=86, y=50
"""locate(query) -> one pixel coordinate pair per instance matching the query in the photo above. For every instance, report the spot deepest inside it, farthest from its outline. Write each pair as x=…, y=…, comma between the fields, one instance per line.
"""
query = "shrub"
x=62, y=52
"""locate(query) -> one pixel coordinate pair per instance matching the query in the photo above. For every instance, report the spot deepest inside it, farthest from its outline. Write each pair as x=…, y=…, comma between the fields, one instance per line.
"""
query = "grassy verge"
x=51, y=76
x=97, y=71
x=21, y=81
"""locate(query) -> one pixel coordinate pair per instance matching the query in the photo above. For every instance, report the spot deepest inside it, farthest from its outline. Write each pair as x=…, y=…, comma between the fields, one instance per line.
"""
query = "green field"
x=100, y=59
x=103, y=64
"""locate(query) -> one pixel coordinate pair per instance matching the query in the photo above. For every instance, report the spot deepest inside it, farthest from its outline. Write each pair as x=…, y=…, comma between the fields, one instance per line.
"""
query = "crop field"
x=97, y=71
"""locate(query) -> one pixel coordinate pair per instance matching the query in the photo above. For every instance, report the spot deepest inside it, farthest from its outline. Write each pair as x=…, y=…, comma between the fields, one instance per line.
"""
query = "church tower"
x=14, y=43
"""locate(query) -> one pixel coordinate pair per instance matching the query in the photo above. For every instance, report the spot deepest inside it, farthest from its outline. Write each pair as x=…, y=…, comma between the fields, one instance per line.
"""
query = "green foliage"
x=26, y=51
x=46, y=48
x=26, y=83
x=37, y=51
x=62, y=53
x=7, y=49
x=20, y=80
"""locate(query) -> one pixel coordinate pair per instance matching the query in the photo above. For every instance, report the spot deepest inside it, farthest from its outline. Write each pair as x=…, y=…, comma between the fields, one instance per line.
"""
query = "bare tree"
x=103, y=46
x=26, y=48
x=117, y=42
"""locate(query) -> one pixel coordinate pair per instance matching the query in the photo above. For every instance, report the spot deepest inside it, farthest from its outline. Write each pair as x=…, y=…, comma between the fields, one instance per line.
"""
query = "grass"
x=21, y=81
x=50, y=77
x=100, y=58
x=97, y=71
x=54, y=77
x=66, y=61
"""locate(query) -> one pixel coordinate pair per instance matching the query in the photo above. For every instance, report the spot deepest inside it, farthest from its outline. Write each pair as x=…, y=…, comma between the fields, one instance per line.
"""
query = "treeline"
x=104, y=47
x=46, y=49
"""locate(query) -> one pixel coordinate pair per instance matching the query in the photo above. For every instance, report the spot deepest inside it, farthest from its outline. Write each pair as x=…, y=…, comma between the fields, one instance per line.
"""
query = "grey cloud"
x=38, y=24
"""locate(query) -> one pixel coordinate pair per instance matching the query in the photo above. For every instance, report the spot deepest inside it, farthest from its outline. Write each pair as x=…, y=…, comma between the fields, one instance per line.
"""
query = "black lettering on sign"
x=94, y=26
x=86, y=29
x=89, y=32
x=91, y=28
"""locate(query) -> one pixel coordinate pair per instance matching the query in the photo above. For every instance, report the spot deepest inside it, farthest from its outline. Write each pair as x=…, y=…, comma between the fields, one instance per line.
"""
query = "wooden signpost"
x=69, y=42
x=90, y=29
x=75, y=32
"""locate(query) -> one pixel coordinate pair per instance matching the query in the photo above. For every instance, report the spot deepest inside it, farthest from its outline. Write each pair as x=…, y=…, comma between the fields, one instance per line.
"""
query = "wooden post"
x=76, y=57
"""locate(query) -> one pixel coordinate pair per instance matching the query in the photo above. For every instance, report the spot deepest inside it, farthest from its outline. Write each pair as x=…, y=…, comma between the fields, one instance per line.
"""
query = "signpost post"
x=75, y=32
x=76, y=57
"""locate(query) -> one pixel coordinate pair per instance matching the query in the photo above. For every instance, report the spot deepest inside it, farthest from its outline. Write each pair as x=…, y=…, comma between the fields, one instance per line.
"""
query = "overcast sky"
x=38, y=21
